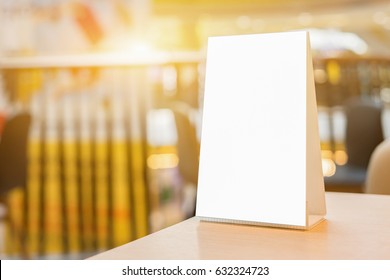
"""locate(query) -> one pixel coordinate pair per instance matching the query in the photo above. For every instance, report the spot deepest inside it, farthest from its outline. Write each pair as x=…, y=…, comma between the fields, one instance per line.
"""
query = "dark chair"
x=363, y=134
x=364, y=131
x=188, y=150
x=378, y=173
x=13, y=166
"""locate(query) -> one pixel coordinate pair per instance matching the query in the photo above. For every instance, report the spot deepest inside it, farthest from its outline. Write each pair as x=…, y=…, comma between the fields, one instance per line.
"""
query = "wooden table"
x=357, y=226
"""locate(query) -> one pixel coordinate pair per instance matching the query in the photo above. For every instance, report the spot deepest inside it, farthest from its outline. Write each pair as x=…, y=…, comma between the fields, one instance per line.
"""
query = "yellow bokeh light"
x=162, y=161
x=340, y=157
x=326, y=154
x=328, y=167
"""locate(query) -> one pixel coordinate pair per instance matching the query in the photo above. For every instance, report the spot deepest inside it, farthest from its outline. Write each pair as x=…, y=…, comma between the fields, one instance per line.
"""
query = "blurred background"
x=101, y=105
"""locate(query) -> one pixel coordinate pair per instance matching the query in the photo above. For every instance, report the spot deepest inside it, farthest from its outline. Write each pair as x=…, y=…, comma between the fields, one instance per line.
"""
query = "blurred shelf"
x=100, y=60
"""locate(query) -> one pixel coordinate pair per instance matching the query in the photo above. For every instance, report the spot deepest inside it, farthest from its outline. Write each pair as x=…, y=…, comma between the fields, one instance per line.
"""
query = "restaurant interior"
x=101, y=110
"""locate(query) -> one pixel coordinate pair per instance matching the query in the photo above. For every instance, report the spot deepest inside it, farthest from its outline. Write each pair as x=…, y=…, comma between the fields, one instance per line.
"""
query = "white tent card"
x=260, y=160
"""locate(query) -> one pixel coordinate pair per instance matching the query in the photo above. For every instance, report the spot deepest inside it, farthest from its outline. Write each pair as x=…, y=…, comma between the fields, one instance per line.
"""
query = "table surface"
x=357, y=226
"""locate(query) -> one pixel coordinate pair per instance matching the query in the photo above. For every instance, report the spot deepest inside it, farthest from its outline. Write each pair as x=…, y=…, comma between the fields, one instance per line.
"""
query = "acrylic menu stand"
x=260, y=160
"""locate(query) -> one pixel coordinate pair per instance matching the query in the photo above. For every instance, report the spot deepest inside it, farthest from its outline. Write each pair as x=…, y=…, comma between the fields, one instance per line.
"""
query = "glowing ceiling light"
x=244, y=22
x=331, y=39
x=379, y=18
x=305, y=19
